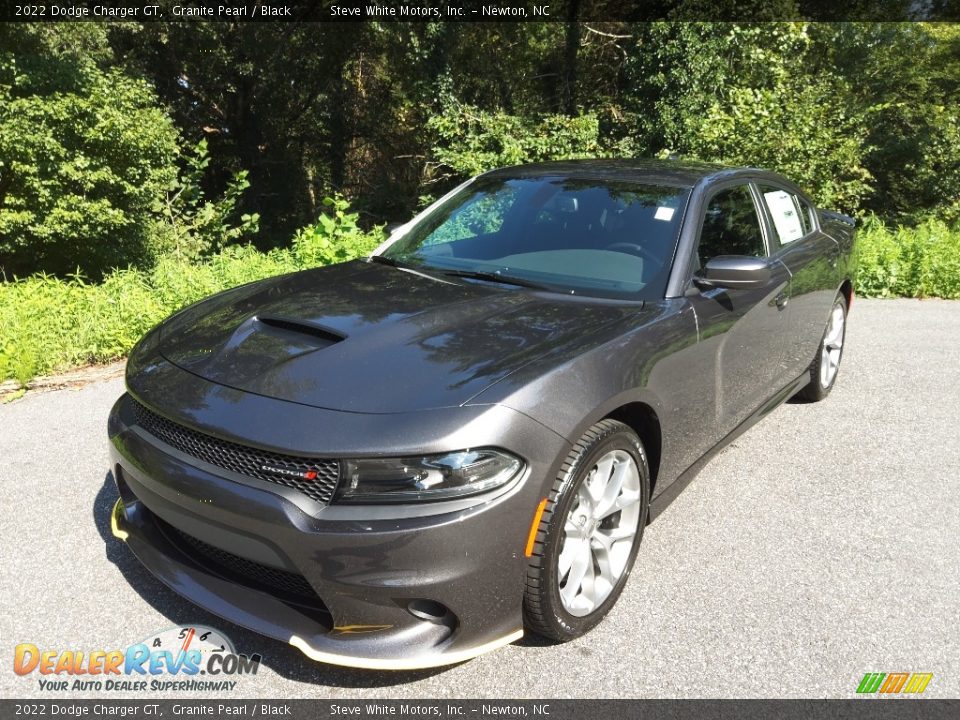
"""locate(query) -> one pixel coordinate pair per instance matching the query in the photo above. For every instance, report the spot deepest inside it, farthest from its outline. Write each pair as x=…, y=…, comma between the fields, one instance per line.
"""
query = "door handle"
x=781, y=301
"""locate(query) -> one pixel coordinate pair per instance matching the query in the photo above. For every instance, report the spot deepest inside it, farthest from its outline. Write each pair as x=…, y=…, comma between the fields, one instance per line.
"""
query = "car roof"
x=683, y=173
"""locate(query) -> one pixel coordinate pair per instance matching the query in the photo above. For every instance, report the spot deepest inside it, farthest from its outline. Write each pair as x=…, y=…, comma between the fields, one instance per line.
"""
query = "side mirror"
x=734, y=272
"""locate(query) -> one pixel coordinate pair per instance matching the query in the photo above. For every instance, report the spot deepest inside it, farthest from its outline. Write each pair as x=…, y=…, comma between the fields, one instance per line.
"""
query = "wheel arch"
x=846, y=288
x=644, y=421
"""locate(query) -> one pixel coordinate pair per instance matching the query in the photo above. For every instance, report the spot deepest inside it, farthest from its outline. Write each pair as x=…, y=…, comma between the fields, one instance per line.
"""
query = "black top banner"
x=476, y=10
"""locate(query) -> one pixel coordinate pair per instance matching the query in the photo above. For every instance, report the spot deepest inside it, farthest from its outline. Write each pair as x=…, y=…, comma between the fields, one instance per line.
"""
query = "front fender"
x=649, y=363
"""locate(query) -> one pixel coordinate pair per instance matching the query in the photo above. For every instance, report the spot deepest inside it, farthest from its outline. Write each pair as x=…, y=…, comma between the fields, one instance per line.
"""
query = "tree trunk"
x=571, y=48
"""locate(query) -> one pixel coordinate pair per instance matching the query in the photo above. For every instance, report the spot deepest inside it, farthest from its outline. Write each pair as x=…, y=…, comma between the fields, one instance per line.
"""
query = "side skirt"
x=662, y=501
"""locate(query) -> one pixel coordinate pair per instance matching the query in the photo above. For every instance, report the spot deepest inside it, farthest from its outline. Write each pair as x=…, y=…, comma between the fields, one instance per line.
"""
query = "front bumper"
x=352, y=586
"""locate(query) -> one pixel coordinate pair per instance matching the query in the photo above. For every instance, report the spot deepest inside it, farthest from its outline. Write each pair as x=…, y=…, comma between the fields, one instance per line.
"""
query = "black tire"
x=815, y=390
x=543, y=608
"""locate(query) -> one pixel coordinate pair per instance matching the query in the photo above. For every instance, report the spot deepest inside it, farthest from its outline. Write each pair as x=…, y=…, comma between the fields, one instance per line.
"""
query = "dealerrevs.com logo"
x=194, y=658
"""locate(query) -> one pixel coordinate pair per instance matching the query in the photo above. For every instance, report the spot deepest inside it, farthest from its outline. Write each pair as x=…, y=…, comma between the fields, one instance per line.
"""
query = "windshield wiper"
x=384, y=260
x=495, y=277
x=472, y=274
x=406, y=267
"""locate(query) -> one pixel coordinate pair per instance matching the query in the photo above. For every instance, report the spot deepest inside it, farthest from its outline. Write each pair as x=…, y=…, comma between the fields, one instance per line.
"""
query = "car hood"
x=364, y=337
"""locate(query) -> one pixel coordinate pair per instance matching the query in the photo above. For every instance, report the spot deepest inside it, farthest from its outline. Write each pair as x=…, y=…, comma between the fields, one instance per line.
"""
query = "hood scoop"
x=258, y=345
x=311, y=332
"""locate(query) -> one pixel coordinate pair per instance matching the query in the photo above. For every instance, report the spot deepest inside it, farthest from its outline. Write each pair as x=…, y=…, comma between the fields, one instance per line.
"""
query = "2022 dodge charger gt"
x=405, y=460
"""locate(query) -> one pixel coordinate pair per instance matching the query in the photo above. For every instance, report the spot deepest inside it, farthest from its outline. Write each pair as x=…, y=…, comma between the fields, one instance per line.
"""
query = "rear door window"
x=790, y=214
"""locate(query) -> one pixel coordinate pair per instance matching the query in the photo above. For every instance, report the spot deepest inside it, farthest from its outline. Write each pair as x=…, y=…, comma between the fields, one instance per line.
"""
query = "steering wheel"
x=635, y=249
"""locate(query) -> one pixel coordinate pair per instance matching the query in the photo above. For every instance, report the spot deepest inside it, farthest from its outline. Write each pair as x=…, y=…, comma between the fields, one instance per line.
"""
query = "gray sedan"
x=408, y=460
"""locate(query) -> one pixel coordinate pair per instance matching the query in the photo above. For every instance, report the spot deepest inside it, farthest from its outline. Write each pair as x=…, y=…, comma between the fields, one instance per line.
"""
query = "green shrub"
x=335, y=237
x=909, y=262
x=190, y=225
x=84, y=154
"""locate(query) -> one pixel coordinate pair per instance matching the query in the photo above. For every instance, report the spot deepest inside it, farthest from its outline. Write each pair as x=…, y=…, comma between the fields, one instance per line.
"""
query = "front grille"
x=244, y=460
x=234, y=567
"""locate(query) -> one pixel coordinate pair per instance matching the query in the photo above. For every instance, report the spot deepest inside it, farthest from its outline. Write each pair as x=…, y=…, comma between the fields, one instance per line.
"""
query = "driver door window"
x=731, y=226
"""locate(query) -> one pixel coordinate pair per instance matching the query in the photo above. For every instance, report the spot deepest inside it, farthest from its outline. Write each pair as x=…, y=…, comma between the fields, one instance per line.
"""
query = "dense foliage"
x=909, y=262
x=121, y=142
x=746, y=95
x=85, y=154
x=164, y=149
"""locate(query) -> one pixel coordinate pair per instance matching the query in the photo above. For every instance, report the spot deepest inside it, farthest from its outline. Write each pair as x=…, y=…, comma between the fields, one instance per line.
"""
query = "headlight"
x=432, y=477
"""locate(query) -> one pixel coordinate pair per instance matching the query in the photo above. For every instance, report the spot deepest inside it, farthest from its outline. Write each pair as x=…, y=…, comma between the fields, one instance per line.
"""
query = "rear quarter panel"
x=843, y=229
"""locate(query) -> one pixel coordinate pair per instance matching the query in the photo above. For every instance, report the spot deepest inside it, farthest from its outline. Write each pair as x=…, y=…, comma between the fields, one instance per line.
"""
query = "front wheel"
x=826, y=364
x=589, y=533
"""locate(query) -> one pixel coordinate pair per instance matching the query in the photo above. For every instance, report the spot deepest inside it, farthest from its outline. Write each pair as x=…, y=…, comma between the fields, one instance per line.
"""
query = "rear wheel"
x=826, y=364
x=589, y=533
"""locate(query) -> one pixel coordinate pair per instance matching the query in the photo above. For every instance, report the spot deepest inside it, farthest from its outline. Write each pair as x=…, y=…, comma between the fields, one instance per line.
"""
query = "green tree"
x=741, y=94
x=906, y=78
x=85, y=152
x=191, y=225
x=278, y=100
x=470, y=140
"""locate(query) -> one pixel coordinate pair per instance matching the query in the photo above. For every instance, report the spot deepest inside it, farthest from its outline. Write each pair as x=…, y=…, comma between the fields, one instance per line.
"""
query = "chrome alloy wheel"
x=599, y=533
x=832, y=346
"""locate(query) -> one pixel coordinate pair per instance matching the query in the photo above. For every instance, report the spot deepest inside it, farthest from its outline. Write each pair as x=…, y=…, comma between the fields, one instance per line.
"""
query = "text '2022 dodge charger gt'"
x=405, y=460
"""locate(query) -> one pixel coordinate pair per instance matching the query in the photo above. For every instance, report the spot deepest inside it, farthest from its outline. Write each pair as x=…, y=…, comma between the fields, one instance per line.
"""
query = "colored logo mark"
x=894, y=683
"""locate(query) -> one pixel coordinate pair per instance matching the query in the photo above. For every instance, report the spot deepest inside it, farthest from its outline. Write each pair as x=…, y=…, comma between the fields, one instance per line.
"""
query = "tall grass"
x=49, y=324
x=909, y=262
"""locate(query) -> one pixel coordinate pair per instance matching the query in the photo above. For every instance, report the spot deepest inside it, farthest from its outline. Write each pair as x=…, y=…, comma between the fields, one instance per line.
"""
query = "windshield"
x=573, y=235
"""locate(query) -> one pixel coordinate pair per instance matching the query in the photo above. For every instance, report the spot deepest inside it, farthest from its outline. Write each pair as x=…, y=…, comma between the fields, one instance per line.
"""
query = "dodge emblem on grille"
x=302, y=474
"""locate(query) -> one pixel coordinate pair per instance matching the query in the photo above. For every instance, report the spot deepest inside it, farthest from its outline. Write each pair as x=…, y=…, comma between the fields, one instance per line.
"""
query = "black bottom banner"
x=874, y=709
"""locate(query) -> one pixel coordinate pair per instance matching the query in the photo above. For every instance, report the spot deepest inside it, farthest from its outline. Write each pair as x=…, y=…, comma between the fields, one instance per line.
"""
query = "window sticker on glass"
x=664, y=213
x=786, y=219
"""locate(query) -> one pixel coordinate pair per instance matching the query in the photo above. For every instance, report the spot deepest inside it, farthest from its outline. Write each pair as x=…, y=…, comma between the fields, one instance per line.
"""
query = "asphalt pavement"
x=823, y=544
